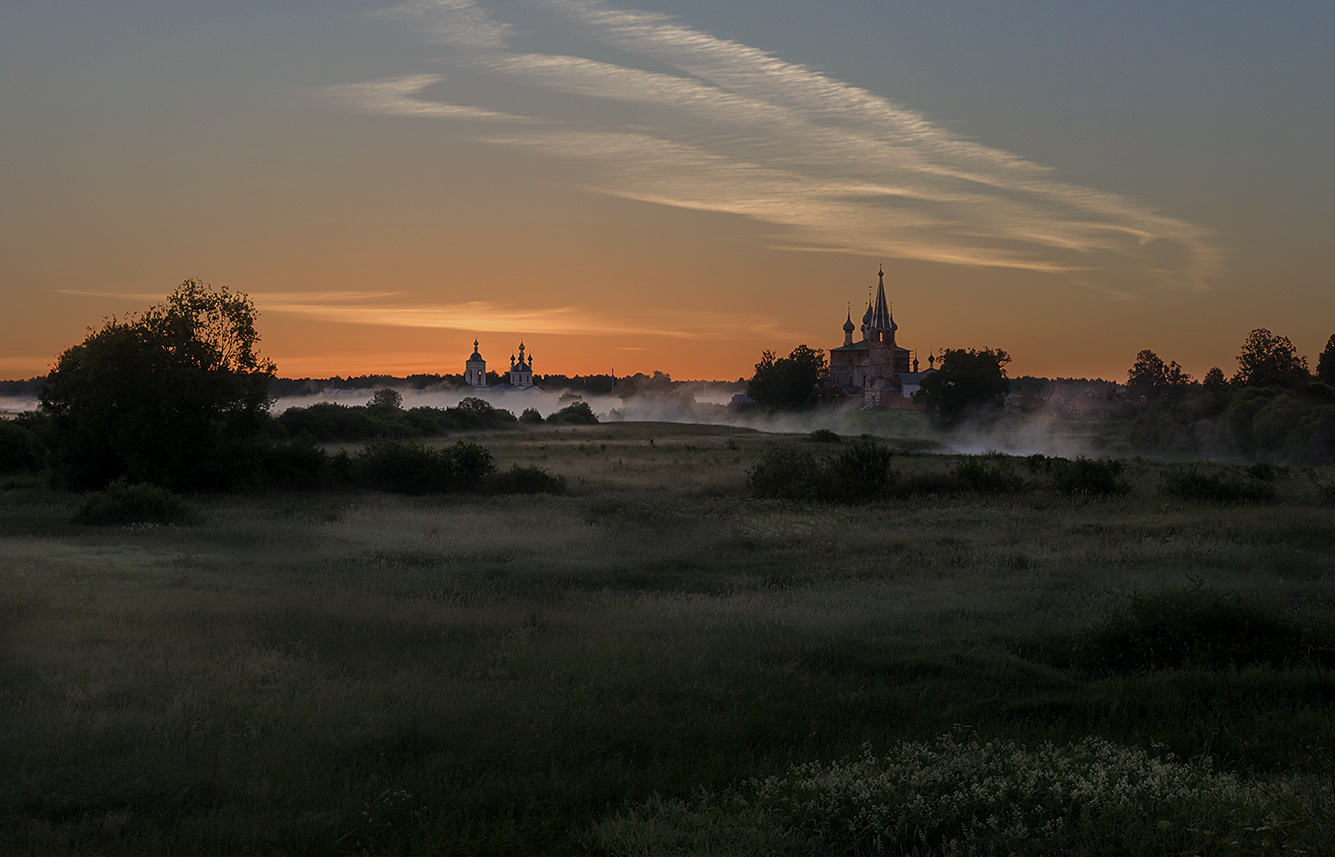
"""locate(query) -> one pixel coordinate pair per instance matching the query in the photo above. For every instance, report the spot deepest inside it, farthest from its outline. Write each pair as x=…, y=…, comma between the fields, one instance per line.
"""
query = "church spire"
x=881, y=322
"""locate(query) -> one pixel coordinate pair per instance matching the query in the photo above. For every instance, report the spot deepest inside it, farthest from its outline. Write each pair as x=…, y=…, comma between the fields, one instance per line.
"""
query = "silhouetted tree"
x=386, y=398
x=1268, y=360
x=1148, y=376
x=1325, y=365
x=177, y=396
x=1214, y=379
x=968, y=383
x=1151, y=378
x=789, y=383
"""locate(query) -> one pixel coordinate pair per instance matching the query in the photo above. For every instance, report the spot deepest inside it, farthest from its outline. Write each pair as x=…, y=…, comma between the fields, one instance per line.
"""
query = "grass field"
x=656, y=662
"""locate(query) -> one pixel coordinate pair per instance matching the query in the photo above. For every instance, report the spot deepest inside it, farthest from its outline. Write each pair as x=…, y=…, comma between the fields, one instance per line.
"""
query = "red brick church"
x=875, y=371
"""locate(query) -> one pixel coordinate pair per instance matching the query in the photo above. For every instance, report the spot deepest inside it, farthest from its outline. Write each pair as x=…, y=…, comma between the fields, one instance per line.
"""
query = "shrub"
x=404, y=467
x=787, y=474
x=1190, y=628
x=526, y=480
x=1190, y=483
x=823, y=435
x=575, y=413
x=1089, y=476
x=530, y=415
x=859, y=472
x=989, y=474
x=298, y=463
x=121, y=504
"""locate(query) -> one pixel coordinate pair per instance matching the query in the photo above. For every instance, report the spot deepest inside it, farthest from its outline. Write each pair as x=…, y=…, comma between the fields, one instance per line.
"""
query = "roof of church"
x=881, y=318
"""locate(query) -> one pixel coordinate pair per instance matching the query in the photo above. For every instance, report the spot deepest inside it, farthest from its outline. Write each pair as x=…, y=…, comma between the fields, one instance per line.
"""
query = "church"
x=875, y=371
x=521, y=372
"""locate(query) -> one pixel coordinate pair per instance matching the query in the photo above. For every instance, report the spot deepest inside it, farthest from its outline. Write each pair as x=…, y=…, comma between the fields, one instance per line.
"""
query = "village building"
x=875, y=371
x=475, y=370
x=1086, y=402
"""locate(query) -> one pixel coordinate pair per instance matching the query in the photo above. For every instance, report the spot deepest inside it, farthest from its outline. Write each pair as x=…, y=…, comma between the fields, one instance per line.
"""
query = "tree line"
x=1271, y=408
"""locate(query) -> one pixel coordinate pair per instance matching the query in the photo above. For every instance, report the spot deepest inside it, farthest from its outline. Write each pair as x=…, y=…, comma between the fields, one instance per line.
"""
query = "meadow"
x=659, y=661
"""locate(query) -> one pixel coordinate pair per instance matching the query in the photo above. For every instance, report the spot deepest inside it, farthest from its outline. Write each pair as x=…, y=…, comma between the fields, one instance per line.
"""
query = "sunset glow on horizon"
x=671, y=185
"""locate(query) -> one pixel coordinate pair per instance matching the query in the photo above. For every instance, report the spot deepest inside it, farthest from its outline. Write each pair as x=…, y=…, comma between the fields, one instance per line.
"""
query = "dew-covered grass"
x=355, y=672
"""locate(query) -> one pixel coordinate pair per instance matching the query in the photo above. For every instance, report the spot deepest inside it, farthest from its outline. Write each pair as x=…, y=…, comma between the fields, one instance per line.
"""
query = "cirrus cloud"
x=686, y=119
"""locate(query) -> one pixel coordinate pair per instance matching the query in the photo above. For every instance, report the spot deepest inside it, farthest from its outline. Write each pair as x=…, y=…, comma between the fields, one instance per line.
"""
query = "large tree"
x=790, y=383
x=177, y=396
x=1325, y=365
x=969, y=383
x=1150, y=377
x=1268, y=360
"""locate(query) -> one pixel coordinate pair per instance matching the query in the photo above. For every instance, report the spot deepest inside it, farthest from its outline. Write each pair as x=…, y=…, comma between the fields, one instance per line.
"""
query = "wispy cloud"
x=397, y=309
x=690, y=120
x=398, y=96
x=392, y=310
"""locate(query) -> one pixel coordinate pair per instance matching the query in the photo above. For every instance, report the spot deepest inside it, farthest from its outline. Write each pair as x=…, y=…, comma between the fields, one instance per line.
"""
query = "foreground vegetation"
x=973, y=655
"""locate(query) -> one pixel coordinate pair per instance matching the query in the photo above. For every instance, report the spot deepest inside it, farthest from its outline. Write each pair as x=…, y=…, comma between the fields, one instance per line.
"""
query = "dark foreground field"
x=659, y=663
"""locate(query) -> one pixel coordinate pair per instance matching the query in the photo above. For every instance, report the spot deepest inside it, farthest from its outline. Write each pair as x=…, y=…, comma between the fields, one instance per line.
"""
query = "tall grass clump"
x=952, y=797
x=526, y=479
x=1230, y=486
x=121, y=504
x=860, y=471
x=1199, y=628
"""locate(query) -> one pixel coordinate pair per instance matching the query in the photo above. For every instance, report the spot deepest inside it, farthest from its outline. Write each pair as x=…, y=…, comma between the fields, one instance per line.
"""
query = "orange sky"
x=672, y=185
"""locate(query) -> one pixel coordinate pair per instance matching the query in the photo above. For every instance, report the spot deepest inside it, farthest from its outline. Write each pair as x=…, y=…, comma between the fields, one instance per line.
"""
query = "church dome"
x=848, y=325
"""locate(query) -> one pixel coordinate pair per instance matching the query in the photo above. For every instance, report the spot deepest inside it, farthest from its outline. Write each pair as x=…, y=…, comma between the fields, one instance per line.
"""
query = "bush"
x=298, y=463
x=530, y=415
x=121, y=504
x=1088, y=476
x=575, y=413
x=989, y=474
x=823, y=435
x=404, y=467
x=1198, y=628
x=859, y=472
x=1189, y=483
x=787, y=474
x=526, y=480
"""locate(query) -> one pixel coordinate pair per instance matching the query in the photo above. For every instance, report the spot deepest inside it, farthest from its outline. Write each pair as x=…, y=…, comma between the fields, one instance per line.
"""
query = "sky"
x=673, y=185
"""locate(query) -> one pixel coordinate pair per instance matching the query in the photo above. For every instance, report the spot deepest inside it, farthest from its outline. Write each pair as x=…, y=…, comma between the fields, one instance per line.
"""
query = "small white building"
x=475, y=370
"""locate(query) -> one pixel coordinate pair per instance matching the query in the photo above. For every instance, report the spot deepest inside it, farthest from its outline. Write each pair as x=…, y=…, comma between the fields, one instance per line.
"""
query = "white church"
x=521, y=372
